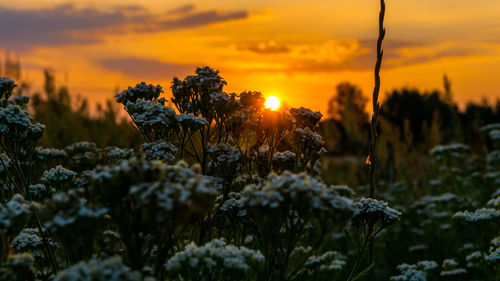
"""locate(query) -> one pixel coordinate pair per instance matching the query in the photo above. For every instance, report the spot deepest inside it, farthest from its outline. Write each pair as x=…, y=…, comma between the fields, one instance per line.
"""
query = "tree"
x=348, y=99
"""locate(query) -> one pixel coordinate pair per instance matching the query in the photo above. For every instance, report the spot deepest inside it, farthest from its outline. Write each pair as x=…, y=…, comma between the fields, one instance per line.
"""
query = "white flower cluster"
x=37, y=190
x=492, y=131
x=83, y=154
x=308, y=139
x=191, y=122
x=24, y=260
x=141, y=91
x=344, y=190
x=373, y=210
x=414, y=272
x=191, y=190
x=495, y=202
x=224, y=153
x=29, y=240
x=494, y=254
x=70, y=210
x=6, y=87
x=17, y=122
x=450, y=148
x=450, y=268
x=114, y=154
x=443, y=198
x=14, y=213
x=233, y=205
x=111, y=269
x=57, y=177
x=329, y=261
x=159, y=150
x=80, y=147
x=479, y=215
x=152, y=114
x=212, y=259
x=448, y=152
x=49, y=153
x=299, y=191
x=283, y=159
x=304, y=117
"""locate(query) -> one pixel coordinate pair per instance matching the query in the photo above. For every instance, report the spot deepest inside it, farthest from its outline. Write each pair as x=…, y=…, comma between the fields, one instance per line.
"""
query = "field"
x=192, y=182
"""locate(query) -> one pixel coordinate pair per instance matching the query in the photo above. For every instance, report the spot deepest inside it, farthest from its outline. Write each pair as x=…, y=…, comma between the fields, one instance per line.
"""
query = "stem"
x=372, y=156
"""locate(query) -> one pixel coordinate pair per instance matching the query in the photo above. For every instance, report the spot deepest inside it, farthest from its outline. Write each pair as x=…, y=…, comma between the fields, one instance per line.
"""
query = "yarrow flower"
x=111, y=269
x=372, y=211
x=494, y=254
x=215, y=260
x=141, y=91
x=6, y=87
x=450, y=268
x=305, y=118
x=327, y=262
x=58, y=177
x=14, y=214
x=414, y=272
x=159, y=150
x=479, y=215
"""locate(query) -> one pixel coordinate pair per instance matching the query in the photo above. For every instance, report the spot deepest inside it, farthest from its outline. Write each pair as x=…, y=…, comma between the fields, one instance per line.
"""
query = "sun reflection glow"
x=272, y=102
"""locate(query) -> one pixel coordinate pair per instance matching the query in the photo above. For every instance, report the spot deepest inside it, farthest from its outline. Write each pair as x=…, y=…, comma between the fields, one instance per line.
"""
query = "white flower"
x=214, y=256
x=375, y=210
x=111, y=269
x=479, y=215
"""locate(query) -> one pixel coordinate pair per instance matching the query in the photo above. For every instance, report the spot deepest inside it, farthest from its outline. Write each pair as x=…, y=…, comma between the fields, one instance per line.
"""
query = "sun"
x=272, y=102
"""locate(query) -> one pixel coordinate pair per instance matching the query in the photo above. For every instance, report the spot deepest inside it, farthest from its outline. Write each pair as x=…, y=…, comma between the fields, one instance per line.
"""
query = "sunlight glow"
x=272, y=103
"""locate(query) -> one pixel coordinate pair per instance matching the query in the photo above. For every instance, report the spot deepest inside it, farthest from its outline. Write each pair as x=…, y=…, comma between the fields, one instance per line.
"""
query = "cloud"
x=142, y=68
x=270, y=47
x=66, y=24
x=353, y=55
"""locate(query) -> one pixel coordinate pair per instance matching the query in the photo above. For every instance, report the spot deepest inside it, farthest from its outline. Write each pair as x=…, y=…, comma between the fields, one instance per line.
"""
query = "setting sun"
x=272, y=102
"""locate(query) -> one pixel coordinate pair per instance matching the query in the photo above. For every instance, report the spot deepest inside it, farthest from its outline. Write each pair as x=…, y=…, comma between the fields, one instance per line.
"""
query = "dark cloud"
x=393, y=56
x=141, y=68
x=66, y=24
x=270, y=47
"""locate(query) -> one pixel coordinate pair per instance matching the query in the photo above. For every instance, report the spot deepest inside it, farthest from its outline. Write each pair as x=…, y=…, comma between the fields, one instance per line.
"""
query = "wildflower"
x=6, y=87
x=115, y=154
x=372, y=211
x=305, y=118
x=29, y=240
x=159, y=150
x=494, y=254
x=141, y=91
x=479, y=215
x=49, y=153
x=414, y=272
x=111, y=269
x=14, y=214
x=58, y=177
x=215, y=260
x=191, y=122
x=450, y=268
x=495, y=202
x=328, y=261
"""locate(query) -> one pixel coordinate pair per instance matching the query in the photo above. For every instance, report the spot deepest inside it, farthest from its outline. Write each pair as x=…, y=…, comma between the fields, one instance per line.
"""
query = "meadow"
x=197, y=183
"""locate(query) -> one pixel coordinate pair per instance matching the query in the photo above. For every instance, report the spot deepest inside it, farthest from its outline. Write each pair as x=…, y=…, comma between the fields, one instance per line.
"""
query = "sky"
x=294, y=49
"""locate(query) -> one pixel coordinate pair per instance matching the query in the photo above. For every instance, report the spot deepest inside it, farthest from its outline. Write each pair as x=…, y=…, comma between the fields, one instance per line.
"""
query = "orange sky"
x=296, y=50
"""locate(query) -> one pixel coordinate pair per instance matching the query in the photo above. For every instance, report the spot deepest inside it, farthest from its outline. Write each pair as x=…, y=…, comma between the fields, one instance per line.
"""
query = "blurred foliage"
x=69, y=119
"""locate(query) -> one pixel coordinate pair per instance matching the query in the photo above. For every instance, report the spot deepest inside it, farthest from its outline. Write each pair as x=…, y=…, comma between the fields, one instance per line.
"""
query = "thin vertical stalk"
x=372, y=157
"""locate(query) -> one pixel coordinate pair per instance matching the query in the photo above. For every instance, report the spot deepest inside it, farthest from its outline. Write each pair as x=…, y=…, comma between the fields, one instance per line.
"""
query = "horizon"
x=291, y=51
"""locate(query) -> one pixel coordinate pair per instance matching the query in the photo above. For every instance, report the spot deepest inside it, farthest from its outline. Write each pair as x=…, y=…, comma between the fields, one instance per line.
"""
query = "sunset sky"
x=294, y=49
